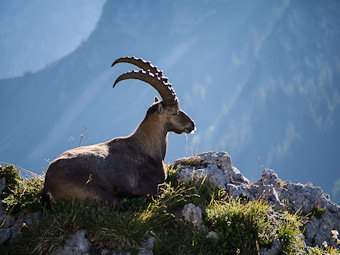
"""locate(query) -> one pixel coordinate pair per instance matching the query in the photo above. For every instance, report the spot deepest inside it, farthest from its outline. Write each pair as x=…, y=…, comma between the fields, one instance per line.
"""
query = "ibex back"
x=125, y=166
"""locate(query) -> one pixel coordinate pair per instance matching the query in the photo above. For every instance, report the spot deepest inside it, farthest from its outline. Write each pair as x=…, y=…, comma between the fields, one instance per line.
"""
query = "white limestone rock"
x=215, y=167
x=193, y=214
x=76, y=244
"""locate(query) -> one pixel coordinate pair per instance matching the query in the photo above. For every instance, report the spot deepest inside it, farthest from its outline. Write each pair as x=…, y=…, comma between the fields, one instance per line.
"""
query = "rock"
x=25, y=219
x=269, y=177
x=269, y=188
x=2, y=210
x=319, y=230
x=105, y=252
x=212, y=174
x=193, y=214
x=145, y=252
x=16, y=225
x=297, y=194
x=223, y=161
x=108, y=252
x=238, y=190
x=76, y=244
x=212, y=234
x=269, y=194
x=305, y=199
x=5, y=234
x=6, y=221
x=274, y=250
x=311, y=229
x=147, y=246
x=2, y=184
x=310, y=200
x=216, y=167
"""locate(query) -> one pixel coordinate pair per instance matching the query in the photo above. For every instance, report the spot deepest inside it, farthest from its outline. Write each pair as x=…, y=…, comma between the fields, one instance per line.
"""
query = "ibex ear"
x=160, y=109
x=156, y=99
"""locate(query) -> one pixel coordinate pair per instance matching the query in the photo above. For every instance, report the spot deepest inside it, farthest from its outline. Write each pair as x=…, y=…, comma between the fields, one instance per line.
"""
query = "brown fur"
x=123, y=167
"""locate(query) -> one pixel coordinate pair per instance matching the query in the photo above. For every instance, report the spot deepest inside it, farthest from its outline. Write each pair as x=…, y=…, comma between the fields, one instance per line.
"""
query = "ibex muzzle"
x=124, y=166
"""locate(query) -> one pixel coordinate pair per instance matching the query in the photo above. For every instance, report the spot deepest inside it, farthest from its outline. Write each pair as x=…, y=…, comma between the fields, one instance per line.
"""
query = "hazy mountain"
x=259, y=78
x=32, y=33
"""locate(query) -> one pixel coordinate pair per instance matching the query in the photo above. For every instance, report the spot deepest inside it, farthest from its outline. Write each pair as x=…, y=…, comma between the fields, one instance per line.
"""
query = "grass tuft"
x=241, y=226
x=289, y=233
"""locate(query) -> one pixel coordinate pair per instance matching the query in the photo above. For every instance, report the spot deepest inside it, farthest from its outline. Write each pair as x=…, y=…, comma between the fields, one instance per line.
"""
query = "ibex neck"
x=152, y=137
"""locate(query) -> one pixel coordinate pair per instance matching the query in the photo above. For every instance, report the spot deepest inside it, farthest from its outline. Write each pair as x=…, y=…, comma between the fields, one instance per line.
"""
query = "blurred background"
x=260, y=79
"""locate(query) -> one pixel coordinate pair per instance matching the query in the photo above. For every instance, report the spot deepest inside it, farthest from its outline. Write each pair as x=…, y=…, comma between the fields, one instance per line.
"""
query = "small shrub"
x=12, y=177
x=19, y=193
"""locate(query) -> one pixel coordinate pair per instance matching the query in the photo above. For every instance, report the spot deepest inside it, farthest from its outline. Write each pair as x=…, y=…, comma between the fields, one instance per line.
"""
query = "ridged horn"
x=141, y=63
x=162, y=85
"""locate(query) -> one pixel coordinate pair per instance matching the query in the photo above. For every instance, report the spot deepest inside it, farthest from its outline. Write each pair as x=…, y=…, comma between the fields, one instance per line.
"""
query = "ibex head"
x=166, y=112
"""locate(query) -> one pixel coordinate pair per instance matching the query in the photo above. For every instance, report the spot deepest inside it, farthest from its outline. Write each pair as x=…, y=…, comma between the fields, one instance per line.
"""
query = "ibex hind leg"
x=145, y=187
x=115, y=204
x=72, y=191
x=104, y=196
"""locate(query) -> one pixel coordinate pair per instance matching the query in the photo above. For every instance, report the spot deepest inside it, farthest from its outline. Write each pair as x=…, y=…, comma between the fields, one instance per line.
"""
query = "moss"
x=318, y=211
x=193, y=161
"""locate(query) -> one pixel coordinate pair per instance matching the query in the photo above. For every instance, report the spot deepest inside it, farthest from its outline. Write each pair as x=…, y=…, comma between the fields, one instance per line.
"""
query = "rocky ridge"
x=305, y=199
x=217, y=169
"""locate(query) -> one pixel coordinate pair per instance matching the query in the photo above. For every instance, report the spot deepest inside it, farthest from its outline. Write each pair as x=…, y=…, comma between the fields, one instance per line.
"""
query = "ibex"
x=129, y=166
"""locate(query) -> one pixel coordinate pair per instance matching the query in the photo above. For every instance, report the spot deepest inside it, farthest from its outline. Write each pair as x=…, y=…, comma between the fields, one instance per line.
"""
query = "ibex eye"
x=175, y=113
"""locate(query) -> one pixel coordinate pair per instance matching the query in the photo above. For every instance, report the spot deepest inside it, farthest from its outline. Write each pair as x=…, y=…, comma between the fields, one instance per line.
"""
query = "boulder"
x=76, y=244
x=214, y=167
x=192, y=214
x=147, y=246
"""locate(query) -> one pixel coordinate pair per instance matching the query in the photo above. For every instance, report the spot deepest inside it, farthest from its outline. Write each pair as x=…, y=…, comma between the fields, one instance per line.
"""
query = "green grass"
x=289, y=232
x=241, y=226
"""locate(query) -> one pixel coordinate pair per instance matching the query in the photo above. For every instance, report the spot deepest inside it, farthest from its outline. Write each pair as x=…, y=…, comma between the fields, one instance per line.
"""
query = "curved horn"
x=163, y=87
x=141, y=63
